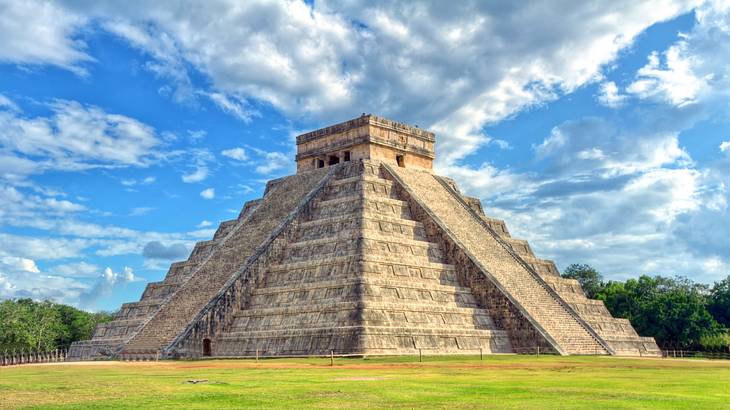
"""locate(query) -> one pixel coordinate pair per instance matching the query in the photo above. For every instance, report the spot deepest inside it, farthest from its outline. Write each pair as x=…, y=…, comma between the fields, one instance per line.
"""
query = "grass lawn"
x=401, y=382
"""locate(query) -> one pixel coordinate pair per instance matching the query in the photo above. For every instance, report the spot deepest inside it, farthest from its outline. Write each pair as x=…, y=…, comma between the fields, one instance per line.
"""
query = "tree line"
x=677, y=312
x=28, y=325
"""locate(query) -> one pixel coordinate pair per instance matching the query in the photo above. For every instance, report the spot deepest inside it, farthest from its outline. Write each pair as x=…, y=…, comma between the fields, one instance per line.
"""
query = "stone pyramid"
x=363, y=251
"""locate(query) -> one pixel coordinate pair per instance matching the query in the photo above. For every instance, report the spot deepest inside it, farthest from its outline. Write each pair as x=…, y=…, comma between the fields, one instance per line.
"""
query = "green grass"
x=400, y=382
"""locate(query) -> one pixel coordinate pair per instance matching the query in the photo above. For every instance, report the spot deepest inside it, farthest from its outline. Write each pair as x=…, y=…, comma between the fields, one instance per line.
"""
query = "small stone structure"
x=363, y=251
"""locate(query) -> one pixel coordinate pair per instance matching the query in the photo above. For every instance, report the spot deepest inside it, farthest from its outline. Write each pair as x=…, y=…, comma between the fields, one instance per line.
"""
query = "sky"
x=129, y=130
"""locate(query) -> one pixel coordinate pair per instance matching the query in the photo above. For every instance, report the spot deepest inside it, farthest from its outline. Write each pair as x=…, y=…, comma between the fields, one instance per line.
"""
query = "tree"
x=672, y=310
x=719, y=304
x=590, y=279
x=28, y=325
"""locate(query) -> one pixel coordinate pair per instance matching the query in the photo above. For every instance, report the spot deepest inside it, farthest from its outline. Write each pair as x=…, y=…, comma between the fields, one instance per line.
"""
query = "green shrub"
x=716, y=343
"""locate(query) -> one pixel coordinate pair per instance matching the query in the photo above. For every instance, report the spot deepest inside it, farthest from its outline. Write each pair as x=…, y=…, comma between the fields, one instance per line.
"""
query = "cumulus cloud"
x=18, y=205
x=66, y=283
x=19, y=264
x=610, y=96
x=140, y=210
x=238, y=153
x=204, y=224
x=157, y=250
x=725, y=146
x=42, y=33
x=104, y=285
x=674, y=82
x=201, y=159
x=41, y=248
x=167, y=61
x=208, y=193
x=76, y=269
x=598, y=145
x=198, y=175
x=233, y=105
x=135, y=182
x=269, y=162
x=76, y=137
x=7, y=103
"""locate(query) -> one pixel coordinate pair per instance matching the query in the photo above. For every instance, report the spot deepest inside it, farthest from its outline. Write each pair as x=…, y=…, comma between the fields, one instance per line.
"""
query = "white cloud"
x=19, y=264
x=233, y=105
x=198, y=175
x=140, y=210
x=208, y=193
x=609, y=95
x=7, y=103
x=134, y=182
x=196, y=135
x=42, y=33
x=502, y=144
x=76, y=137
x=158, y=250
x=201, y=159
x=598, y=145
x=41, y=248
x=204, y=224
x=675, y=83
x=272, y=161
x=167, y=61
x=18, y=205
x=238, y=154
x=331, y=59
x=76, y=269
x=104, y=285
x=725, y=146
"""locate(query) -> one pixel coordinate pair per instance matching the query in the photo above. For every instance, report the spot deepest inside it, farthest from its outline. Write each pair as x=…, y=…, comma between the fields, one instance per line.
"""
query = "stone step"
x=358, y=203
x=366, y=280
x=366, y=235
x=361, y=339
x=224, y=229
x=159, y=290
x=498, y=225
x=349, y=225
x=357, y=305
x=344, y=313
x=360, y=185
x=386, y=291
x=425, y=331
x=545, y=268
x=520, y=246
x=318, y=269
x=366, y=259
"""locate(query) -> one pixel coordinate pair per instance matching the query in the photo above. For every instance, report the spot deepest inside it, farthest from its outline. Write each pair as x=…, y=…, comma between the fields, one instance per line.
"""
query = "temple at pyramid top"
x=367, y=137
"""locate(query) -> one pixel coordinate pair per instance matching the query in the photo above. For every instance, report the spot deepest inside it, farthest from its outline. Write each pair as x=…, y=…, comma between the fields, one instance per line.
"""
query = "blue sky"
x=130, y=131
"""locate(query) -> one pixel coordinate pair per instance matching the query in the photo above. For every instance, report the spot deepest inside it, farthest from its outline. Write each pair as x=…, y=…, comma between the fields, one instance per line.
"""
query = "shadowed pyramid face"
x=366, y=137
x=363, y=251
